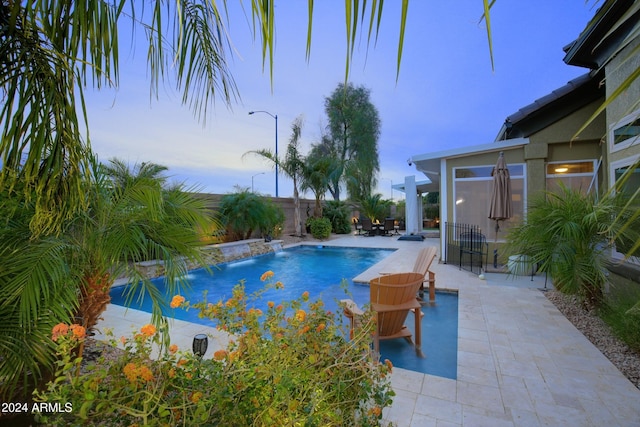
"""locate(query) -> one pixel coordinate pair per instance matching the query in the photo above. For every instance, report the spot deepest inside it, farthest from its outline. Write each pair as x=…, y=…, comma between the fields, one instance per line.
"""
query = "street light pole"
x=261, y=173
x=275, y=116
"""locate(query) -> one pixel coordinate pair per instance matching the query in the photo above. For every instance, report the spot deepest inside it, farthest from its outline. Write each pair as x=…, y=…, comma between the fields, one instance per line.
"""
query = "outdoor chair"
x=368, y=228
x=388, y=226
x=422, y=266
x=474, y=244
x=358, y=226
x=392, y=297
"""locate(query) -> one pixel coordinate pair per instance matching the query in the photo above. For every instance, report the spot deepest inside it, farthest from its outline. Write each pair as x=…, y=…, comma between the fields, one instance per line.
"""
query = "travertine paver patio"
x=520, y=361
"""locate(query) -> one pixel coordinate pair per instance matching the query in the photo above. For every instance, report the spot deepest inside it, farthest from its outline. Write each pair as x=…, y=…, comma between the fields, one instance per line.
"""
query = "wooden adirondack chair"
x=423, y=266
x=392, y=297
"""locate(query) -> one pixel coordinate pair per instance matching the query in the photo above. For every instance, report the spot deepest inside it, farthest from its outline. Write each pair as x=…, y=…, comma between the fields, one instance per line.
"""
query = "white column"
x=411, y=208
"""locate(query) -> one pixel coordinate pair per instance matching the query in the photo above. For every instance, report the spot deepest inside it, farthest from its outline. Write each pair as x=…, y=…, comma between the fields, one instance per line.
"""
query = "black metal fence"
x=466, y=246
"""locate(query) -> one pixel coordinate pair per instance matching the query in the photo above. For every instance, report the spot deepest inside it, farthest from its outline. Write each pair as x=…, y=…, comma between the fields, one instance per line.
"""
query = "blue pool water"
x=320, y=270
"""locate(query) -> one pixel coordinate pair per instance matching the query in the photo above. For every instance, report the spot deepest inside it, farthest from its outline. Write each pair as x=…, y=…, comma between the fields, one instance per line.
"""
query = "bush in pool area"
x=289, y=366
x=320, y=227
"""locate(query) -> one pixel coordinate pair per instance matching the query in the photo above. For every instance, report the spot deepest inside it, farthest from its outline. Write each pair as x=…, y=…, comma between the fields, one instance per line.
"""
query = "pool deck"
x=520, y=361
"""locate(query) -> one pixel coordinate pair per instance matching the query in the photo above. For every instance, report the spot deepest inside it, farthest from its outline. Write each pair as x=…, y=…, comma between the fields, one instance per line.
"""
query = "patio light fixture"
x=200, y=344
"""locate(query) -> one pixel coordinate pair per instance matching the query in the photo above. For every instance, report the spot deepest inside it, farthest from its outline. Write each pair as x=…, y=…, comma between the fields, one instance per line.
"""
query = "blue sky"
x=447, y=95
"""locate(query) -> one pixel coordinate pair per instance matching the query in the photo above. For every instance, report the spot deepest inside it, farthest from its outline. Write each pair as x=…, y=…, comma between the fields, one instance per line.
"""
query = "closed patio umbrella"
x=500, y=207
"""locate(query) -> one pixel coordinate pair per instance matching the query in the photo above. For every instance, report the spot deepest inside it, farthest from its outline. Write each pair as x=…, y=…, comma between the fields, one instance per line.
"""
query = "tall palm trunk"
x=296, y=208
x=94, y=297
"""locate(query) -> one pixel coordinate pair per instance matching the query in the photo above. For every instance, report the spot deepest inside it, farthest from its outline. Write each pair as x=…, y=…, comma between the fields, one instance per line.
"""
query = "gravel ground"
x=598, y=332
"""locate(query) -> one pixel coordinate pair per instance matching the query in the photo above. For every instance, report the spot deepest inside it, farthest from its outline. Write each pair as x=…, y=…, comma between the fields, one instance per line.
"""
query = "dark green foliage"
x=374, y=207
x=566, y=233
x=320, y=227
x=338, y=213
x=245, y=212
x=352, y=141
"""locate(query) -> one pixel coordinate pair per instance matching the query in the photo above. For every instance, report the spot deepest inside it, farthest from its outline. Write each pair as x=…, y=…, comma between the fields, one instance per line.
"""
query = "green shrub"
x=621, y=310
x=320, y=228
x=245, y=212
x=289, y=366
x=338, y=212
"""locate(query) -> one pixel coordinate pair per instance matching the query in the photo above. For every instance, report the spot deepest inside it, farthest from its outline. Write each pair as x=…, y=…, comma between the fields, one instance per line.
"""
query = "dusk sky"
x=446, y=96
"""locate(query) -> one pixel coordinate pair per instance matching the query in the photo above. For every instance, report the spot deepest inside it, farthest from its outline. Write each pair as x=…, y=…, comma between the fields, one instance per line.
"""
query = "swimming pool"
x=320, y=270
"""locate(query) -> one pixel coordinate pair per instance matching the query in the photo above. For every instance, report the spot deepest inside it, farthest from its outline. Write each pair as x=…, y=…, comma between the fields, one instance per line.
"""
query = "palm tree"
x=374, y=207
x=570, y=235
x=67, y=277
x=292, y=165
x=316, y=178
x=51, y=51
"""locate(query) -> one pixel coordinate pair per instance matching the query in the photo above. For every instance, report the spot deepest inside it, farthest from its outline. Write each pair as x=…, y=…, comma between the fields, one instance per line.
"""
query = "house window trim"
x=593, y=175
x=501, y=239
x=627, y=161
x=617, y=125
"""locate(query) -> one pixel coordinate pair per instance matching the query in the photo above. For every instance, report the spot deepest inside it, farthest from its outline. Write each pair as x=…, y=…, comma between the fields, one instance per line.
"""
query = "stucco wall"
x=620, y=67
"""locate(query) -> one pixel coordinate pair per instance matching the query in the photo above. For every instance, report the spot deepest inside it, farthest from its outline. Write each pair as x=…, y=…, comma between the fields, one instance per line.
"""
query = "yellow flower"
x=177, y=301
x=301, y=315
x=266, y=275
x=148, y=330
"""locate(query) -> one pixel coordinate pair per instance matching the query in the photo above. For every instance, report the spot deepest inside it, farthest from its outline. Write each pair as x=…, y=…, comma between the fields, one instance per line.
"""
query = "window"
x=630, y=186
x=579, y=175
x=472, y=190
x=625, y=132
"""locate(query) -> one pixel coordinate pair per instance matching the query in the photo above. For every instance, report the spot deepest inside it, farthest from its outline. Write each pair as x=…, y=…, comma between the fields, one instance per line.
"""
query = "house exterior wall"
x=553, y=143
x=617, y=70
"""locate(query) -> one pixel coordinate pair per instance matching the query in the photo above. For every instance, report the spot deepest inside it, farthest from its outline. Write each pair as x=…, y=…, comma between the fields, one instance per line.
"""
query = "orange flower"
x=220, y=354
x=130, y=371
x=177, y=301
x=196, y=396
x=376, y=411
x=301, y=315
x=305, y=296
x=304, y=330
x=59, y=330
x=279, y=285
x=148, y=330
x=145, y=373
x=123, y=339
x=182, y=362
x=173, y=348
x=270, y=304
x=321, y=327
x=266, y=275
x=172, y=373
x=78, y=331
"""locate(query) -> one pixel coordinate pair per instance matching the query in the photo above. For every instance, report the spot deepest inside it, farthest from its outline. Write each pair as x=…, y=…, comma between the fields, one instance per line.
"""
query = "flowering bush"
x=289, y=366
